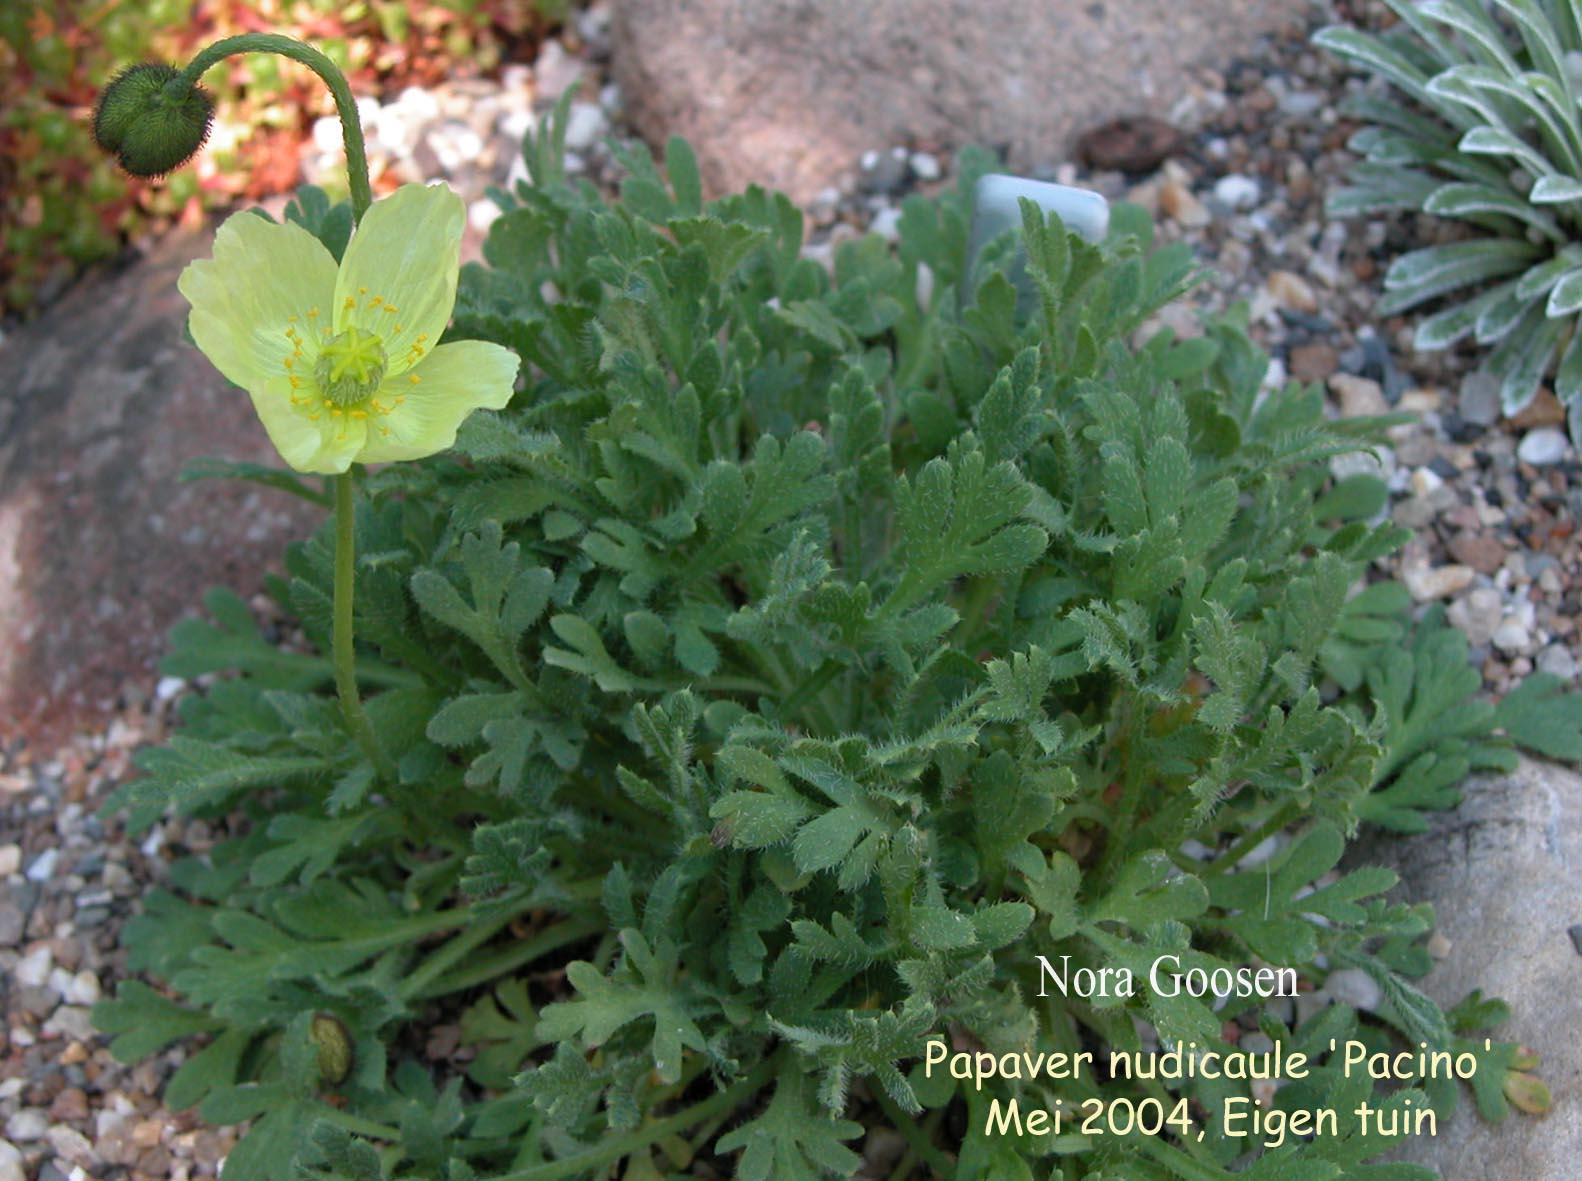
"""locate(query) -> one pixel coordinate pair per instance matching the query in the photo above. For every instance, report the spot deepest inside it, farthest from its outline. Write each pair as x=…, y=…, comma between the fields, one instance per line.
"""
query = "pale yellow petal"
x=398, y=277
x=309, y=437
x=422, y=417
x=256, y=297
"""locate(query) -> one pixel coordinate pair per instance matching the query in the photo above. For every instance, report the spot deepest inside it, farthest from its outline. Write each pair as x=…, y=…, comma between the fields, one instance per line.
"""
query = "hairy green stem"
x=356, y=1124
x=345, y=105
x=615, y=1147
x=429, y=984
x=345, y=653
x=1249, y=841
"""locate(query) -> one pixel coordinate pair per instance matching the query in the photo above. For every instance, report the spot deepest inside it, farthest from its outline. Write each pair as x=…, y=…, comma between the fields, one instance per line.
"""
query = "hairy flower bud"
x=149, y=122
x=334, y=1046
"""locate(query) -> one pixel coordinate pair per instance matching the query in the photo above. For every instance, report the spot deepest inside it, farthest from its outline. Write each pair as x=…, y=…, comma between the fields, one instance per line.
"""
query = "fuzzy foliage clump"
x=797, y=657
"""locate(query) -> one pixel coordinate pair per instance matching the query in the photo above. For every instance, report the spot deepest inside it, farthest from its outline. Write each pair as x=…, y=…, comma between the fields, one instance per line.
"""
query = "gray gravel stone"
x=1480, y=399
x=13, y=921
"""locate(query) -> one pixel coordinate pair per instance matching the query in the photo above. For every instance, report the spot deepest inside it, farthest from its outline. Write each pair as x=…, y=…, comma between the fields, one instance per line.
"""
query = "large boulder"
x=1504, y=874
x=790, y=92
x=101, y=547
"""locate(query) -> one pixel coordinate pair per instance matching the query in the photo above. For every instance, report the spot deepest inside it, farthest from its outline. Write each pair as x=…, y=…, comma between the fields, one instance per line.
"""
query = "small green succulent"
x=1492, y=137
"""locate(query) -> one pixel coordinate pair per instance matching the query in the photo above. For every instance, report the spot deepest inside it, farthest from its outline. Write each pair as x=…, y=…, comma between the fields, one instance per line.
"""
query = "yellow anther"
x=351, y=302
x=288, y=361
x=413, y=379
x=397, y=328
x=390, y=307
x=315, y=416
x=362, y=291
x=296, y=382
x=358, y=413
x=422, y=336
x=313, y=313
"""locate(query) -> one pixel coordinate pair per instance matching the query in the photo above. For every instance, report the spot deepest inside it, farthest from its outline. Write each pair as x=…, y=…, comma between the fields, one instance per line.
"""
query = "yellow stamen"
x=414, y=379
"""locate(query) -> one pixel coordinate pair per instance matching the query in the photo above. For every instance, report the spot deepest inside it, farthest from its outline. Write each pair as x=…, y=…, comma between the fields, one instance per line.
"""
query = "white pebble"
x=1543, y=446
x=83, y=989
x=153, y=842
x=1512, y=636
x=168, y=688
x=30, y=1123
x=1427, y=583
x=1426, y=481
x=924, y=165
x=887, y=224
x=1236, y=191
x=327, y=134
x=481, y=214
x=1262, y=851
x=32, y=970
x=60, y=982
x=68, y=1142
x=43, y=866
x=586, y=124
x=11, y=1162
x=10, y=859
x=1557, y=661
x=418, y=104
x=73, y=1021
x=1354, y=987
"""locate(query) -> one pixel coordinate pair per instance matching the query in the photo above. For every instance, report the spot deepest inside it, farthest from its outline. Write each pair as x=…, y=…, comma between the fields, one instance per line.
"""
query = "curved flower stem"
x=345, y=500
x=345, y=653
x=345, y=105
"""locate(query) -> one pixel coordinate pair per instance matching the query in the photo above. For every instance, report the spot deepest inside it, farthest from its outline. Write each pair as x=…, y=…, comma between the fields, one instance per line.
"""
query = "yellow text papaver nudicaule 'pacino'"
x=341, y=361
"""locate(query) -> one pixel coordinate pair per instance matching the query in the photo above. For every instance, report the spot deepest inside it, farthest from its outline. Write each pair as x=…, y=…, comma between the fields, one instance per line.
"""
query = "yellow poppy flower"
x=341, y=362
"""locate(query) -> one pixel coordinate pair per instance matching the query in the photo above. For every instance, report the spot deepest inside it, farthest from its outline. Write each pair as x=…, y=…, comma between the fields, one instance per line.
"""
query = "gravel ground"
x=1493, y=506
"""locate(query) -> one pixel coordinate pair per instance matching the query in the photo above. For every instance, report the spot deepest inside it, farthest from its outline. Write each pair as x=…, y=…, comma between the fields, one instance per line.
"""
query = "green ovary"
x=350, y=367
